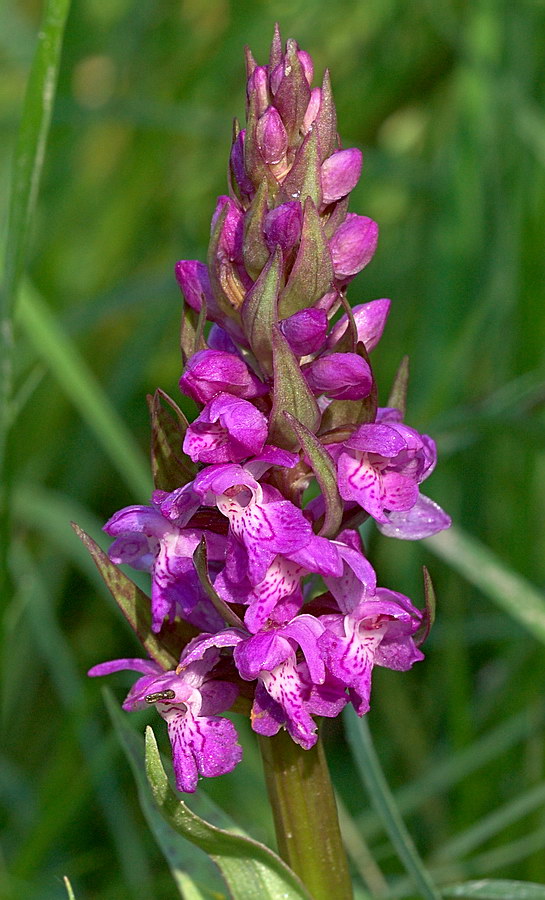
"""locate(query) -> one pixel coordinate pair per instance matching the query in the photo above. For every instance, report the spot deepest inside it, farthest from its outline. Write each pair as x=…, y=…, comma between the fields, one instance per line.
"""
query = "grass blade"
x=372, y=775
x=80, y=385
x=509, y=590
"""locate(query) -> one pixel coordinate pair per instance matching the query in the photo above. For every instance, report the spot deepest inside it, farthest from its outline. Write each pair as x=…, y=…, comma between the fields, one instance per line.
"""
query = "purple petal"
x=140, y=519
x=272, y=138
x=306, y=630
x=230, y=243
x=353, y=245
x=382, y=439
x=282, y=226
x=217, y=696
x=342, y=376
x=340, y=174
x=228, y=429
x=370, y=319
x=305, y=330
x=209, y=372
x=284, y=685
x=261, y=652
x=360, y=481
x=400, y=492
x=134, y=550
x=192, y=276
x=218, y=339
x=281, y=526
x=146, y=666
x=424, y=519
x=201, y=746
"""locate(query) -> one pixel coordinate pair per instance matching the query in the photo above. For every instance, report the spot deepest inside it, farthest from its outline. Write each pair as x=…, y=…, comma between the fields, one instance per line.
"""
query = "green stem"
x=305, y=816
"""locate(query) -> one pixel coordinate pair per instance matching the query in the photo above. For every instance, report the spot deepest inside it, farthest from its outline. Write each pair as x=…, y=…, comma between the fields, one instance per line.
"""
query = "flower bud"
x=272, y=139
x=210, y=371
x=341, y=376
x=305, y=331
x=353, y=245
x=258, y=86
x=340, y=173
x=282, y=226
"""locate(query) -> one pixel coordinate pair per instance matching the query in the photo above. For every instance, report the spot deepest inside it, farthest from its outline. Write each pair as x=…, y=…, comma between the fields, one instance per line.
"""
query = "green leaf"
x=254, y=249
x=76, y=380
x=69, y=889
x=509, y=590
x=303, y=181
x=496, y=889
x=325, y=123
x=171, y=467
x=312, y=273
x=201, y=565
x=291, y=394
x=194, y=874
x=165, y=647
x=370, y=771
x=259, y=311
x=31, y=141
x=429, y=611
x=251, y=870
x=398, y=394
x=326, y=475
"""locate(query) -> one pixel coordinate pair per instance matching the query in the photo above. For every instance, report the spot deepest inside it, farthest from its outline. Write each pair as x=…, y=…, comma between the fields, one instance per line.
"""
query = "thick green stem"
x=305, y=816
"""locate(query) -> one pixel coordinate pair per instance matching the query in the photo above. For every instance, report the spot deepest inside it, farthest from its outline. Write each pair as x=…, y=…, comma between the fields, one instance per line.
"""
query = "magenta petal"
x=370, y=319
x=305, y=331
x=229, y=429
x=342, y=376
x=282, y=226
x=140, y=519
x=209, y=372
x=272, y=138
x=353, y=245
x=340, y=174
x=201, y=746
x=134, y=550
x=192, y=276
x=381, y=439
x=360, y=481
x=422, y=520
x=400, y=492
x=280, y=526
x=145, y=666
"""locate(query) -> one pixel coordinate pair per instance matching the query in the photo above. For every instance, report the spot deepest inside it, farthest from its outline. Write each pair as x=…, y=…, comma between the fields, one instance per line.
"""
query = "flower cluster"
x=254, y=540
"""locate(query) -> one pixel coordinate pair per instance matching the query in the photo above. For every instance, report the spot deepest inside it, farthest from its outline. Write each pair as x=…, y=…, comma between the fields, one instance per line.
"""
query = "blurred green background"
x=445, y=99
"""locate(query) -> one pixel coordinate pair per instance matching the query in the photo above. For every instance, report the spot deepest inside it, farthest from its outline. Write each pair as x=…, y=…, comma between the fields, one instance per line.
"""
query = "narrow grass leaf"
x=251, y=870
x=509, y=590
x=78, y=382
x=492, y=889
x=371, y=773
x=193, y=872
x=69, y=889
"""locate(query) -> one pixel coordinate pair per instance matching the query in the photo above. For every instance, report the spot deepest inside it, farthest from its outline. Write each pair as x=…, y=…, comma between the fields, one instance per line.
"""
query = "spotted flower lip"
x=202, y=742
x=380, y=467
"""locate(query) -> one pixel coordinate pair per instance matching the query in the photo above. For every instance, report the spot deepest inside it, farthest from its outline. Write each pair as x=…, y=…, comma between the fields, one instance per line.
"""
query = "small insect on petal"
x=160, y=696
